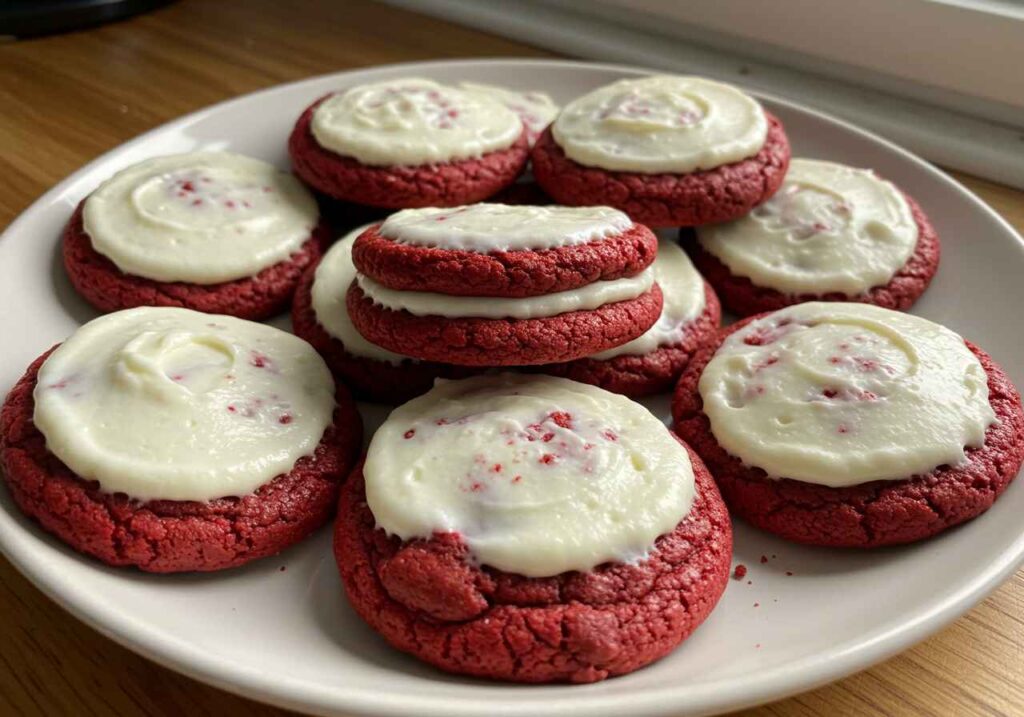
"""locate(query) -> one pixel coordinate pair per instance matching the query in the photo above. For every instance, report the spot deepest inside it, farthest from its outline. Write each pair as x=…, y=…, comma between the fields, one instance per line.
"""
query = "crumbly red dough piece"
x=107, y=288
x=504, y=342
x=407, y=267
x=667, y=200
x=871, y=514
x=743, y=297
x=656, y=372
x=448, y=184
x=164, y=536
x=368, y=378
x=426, y=598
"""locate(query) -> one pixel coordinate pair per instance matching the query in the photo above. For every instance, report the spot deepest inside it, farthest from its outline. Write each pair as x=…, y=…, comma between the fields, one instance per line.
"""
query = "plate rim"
x=768, y=685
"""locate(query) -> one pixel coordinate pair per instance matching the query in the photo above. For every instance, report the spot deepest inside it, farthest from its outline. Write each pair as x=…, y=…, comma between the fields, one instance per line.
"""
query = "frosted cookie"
x=497, y=285
x=667, y=150
x=210, y=231
x=651, y=363
x=319, y=316
x=503, y=250
x=532, y=529
x=171, y=440
x=847, y=424
x=408, y=143
x=832, y=233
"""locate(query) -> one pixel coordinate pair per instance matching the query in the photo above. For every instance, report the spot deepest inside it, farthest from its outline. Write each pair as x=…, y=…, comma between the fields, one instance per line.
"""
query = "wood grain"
x=67, y=99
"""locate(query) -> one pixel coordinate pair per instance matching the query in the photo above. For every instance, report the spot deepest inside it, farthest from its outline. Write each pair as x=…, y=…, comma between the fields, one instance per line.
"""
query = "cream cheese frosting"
x=661, y=124
x=413, y=121
x=536, y=110
x=173, y=404
x=333, y=276
x=484, y=227
x=201, y=217
x=842, y=393
x=538, y=475
x=585, y=298
x=830, y=228
x=683, y=290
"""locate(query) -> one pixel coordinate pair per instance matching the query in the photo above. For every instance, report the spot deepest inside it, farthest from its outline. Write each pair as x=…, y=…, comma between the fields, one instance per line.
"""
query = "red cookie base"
x=667, y=200
x=867, y=515
x=504, y=342
x=456, y=272
x=426, y=599
x=369, y=379
x=164, y=536
x=656, y=372
x=448, y=184
x=98, y=280
x=741, y=296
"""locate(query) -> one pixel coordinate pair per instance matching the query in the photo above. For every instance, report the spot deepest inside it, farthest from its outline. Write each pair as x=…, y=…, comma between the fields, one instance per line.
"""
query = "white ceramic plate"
x=289, y=637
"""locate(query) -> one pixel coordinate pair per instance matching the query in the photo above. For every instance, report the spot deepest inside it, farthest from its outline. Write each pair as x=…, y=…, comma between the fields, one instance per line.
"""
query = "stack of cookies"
x=534, y=525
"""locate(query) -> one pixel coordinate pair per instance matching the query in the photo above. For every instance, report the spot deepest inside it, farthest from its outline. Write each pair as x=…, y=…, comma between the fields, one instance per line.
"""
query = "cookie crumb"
x=764, y=559
x=740, y=572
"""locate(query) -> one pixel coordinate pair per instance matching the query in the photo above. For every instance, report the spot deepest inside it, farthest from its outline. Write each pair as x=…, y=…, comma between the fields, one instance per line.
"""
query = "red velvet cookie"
x=646, y=374
x=741, y=296
x=106, y=287
x=369, y=379
x=164, y=536
x=441, y=185
x=665, y=200
x=427, y=600
x=504, y=342
x=869, y=514
x=456, y=272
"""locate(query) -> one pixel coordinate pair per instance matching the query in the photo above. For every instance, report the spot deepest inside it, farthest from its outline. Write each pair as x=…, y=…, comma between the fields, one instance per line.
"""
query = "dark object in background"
x=26, y=18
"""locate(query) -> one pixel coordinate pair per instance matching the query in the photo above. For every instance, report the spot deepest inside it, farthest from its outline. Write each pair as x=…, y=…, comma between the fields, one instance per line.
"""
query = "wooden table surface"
x=66, y=99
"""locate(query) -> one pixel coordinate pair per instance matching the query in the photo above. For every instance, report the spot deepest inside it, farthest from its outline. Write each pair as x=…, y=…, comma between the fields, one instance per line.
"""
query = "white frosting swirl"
x=585, y=298
x=333, y=277
x=202, y=217
x=683, y=290
x=661, y=124
x=172, y=404
x=484, y=228
x=841, y=394
x=538, y=475
x=829, y=228
x=535, y=109
x=413, y=121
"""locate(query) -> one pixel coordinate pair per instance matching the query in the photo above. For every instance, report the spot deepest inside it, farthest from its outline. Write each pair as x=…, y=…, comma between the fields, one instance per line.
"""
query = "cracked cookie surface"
x=164, y=536
x=650, y=373
x=667, y=200
x=98, y=280
x=368, y=378
x=426, y=599
x=446, y=184
x=504, y=342
x=870, y=514
x=457, y=272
